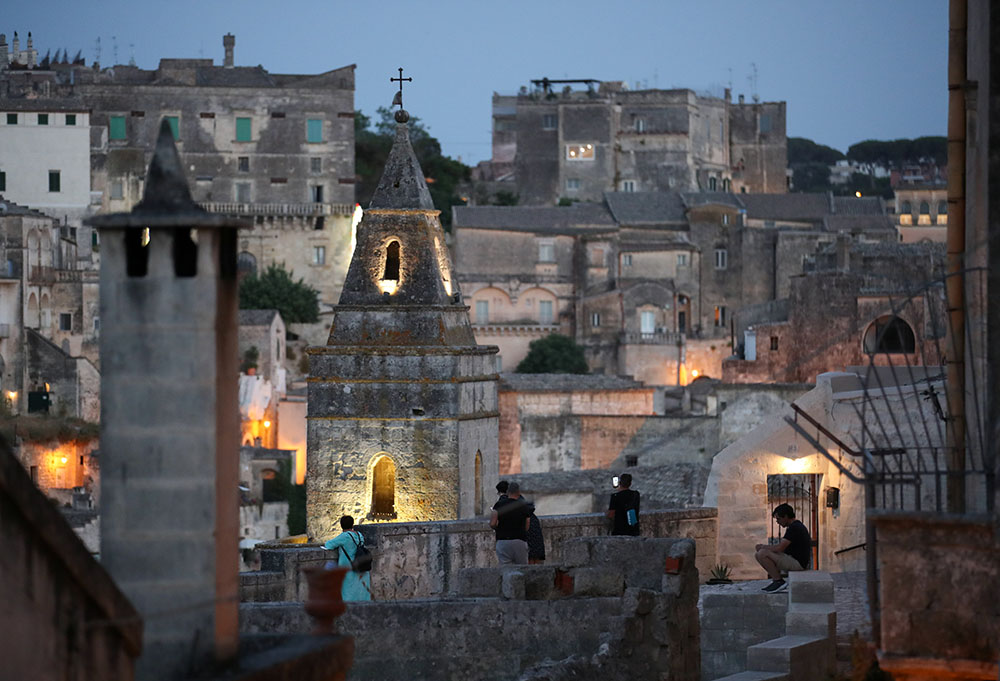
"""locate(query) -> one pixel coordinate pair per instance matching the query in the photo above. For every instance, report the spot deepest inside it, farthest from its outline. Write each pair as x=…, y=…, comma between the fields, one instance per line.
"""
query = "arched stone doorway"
x=383, y=477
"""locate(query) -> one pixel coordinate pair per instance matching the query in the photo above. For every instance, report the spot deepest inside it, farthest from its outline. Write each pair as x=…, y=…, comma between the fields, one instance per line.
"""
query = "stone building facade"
x=579, y=144
x=648, y=283
x=49, y=321
x=277, y=149
x=402, y=408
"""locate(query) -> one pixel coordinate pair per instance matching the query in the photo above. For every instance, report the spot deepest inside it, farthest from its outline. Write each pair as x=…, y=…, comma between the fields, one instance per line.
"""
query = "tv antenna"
x=753, y=82
x=131, y=54
x=97, y=51
x=114, y=50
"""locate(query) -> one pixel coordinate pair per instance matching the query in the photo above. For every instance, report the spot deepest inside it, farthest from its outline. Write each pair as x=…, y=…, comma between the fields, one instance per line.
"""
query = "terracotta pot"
x=325, y=603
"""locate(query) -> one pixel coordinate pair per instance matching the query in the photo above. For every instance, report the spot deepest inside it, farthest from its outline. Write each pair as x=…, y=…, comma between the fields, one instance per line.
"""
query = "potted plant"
x=720, y=575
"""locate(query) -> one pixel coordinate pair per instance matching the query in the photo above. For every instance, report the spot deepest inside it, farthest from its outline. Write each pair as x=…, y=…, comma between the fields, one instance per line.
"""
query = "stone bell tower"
x=403, y=416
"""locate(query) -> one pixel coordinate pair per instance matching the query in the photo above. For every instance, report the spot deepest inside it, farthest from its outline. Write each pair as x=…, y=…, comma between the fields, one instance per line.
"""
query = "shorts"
x=512, y=552
x=786, y=563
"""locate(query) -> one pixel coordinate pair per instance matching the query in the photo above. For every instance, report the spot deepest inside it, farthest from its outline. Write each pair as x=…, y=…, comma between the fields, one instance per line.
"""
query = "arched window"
x=905, y=207
x=391, y=271
x=270, y=489
x=480, y=505
x=942, y=207
x=246, y=263
x=384, y=488
x=925, y=208
x=712, y=184
x=727, y=185
x=889, y=334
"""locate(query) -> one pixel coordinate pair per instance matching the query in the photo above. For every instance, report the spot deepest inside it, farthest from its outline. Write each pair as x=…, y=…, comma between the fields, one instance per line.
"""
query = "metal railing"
x=279, y=209
x=659, y=338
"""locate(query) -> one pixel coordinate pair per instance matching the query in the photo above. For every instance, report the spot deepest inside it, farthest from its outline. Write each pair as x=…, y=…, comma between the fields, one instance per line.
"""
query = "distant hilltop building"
x=575, y=144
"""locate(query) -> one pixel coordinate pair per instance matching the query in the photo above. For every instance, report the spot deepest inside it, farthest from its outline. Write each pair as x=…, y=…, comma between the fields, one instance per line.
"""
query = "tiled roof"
x=8, y=207
x=866, y=205
x=558, y=220
x=693, y=199
x=786, y=206
x=646, y=208
x=43, y=104
x=853, y=223
x=257, y=317
x=565, y=382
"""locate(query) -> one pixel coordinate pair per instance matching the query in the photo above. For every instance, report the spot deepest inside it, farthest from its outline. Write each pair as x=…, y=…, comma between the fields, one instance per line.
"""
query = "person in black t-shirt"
x=510, y=519
x=792, y=553
x=624, y=508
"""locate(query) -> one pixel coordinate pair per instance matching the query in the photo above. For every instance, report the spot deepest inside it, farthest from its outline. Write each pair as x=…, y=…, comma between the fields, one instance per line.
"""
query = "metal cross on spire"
x=398, y=99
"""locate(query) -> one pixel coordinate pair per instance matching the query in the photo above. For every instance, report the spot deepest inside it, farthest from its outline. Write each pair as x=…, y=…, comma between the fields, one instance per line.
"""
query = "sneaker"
x=776, y=585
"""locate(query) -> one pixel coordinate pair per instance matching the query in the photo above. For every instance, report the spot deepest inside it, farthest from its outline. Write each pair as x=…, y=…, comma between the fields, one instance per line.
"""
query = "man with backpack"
x=624, y=508
x=353, y=554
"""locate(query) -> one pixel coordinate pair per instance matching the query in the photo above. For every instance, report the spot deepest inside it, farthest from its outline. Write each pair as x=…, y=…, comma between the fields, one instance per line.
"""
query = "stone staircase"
x=807, y=651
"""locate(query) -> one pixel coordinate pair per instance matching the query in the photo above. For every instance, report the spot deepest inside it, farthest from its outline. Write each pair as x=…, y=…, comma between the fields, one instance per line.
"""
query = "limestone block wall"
x=614, y=608
x=937, y=592
x=422, y=560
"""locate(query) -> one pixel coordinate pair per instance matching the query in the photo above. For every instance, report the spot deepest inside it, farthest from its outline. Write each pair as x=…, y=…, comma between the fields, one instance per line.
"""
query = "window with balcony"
x=546, y=251
x=647, y=322
x=544, y=311
x=580, y=152
x=242, y=192
x=482, y=312
x=316, y=193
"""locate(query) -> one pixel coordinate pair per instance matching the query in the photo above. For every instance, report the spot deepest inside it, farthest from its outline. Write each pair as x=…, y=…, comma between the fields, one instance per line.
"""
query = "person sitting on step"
x=790, y=554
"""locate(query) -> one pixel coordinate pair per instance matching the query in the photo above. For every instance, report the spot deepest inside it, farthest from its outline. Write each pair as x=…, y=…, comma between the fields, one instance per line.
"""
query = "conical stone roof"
x=402, y=185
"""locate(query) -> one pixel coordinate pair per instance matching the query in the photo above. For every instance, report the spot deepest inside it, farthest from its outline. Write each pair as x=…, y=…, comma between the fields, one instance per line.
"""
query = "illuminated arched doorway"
x=384, y=488
x=479, y=484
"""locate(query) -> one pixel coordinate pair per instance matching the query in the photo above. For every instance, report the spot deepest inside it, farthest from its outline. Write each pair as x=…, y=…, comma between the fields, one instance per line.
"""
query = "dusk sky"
x=849, y=69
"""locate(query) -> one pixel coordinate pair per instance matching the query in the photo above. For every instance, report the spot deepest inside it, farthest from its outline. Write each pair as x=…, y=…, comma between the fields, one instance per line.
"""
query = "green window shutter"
x=43, y=119
x=70, y=119
x=54, y=183
x=116, y=127
x=242, y=129
x=174, y=122
x=3, y=181
x=314, y=130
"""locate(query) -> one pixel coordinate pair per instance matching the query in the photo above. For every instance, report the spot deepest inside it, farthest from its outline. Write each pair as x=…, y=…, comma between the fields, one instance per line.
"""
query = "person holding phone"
x=624, y=507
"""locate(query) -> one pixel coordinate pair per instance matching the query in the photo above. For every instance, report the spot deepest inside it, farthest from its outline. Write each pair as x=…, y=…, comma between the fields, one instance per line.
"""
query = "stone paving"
x=850, y=595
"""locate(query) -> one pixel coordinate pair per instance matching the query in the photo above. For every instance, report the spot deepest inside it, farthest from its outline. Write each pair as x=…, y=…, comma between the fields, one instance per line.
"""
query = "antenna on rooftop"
x=131, y=54
x=114, y=50
x=753, y=82
x=730, y=78
x=97, y=51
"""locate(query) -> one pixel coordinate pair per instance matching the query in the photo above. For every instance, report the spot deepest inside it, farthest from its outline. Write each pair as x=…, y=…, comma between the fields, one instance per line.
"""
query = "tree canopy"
x=802, y=150
x=296, y=301
x=554, y=354
x=894, y=153
x=372, y=144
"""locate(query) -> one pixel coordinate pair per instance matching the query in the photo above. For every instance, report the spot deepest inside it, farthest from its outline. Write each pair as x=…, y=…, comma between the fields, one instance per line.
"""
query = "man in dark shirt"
x=792, y=553
x=624, y=508
x=511, y=515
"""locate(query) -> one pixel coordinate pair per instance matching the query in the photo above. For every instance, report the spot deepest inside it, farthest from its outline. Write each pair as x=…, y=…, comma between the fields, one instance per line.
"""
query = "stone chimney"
x=16, y=48
x=31, y=52
x=4, y=59
x=728, y=95
x=229, y=42
x=741, y=99
x=170, y=420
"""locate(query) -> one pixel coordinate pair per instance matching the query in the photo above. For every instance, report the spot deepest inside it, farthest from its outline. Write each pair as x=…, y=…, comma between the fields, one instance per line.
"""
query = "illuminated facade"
x=402, y=410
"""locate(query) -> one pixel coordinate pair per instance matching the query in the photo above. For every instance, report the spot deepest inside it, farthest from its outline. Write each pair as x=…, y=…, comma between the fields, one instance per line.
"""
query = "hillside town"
x=236, y=312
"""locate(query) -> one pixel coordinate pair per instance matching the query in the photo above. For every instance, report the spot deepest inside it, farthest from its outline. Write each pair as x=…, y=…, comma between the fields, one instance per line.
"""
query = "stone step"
x=811, y=619
x=755, y=676
x=802, y=658
x=810, y=586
